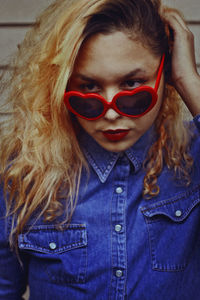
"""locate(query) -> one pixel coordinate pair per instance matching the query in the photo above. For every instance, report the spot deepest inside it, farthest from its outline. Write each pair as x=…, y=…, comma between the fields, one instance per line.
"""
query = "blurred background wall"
x=17, y=16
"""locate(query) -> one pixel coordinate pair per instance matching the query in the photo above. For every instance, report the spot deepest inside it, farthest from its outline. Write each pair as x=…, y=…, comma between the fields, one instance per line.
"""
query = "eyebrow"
x=133, y=73
x=84, y=77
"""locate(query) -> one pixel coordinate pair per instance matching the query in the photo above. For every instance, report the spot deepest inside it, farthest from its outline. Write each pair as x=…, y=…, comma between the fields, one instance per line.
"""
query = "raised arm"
x=184, y=72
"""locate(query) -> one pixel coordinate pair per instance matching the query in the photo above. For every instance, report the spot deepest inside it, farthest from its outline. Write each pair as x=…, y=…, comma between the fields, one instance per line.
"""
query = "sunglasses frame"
x=107, y=105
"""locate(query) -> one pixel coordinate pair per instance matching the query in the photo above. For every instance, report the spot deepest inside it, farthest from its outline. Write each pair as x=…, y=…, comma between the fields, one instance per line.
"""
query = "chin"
x=116, y=146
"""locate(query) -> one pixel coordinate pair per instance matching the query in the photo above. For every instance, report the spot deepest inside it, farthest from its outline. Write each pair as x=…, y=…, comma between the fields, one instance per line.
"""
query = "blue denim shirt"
x=118, y=244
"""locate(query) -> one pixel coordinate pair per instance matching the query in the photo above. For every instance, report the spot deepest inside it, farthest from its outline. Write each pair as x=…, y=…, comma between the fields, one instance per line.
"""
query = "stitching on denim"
x=124, y=224
x=111, y=241
x=175, y=219
x=28, y=246
x=65, y=278
x=168, y=203
x=157, y=266
x=173, y=268
x=125, y=229
x=86, y=263
x=82, y=241
x=102, y=173
x=135, y=161
x=172, y=200
x=149, y=240
x=53, y=227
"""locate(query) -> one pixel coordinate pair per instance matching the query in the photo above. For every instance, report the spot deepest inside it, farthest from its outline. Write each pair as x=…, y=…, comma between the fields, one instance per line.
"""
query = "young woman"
x=99, y=174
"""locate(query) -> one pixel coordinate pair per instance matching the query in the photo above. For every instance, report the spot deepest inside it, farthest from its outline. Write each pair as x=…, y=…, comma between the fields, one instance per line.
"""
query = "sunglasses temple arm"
x=159, y=73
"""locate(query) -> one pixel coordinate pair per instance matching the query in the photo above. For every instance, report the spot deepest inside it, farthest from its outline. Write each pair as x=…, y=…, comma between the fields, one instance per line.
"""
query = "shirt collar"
x=103, y=161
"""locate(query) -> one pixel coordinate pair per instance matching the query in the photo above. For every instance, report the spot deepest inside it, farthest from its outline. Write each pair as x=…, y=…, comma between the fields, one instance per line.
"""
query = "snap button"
x=52, y=246
x=119, y=273
x=119, y=190
x=118, y=228
x=178, y=213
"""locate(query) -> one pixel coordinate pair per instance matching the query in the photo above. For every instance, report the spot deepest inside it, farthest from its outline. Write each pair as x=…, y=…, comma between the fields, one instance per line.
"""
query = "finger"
x=174, y=19
x=181, y=34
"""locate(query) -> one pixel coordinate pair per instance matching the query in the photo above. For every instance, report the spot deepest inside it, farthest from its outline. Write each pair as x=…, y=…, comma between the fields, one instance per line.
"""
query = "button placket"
x=118, y=217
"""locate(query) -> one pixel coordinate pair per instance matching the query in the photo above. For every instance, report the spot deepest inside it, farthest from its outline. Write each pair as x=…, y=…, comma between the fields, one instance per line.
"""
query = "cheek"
x=145, y=122
x=155, y=111
x=86, y=125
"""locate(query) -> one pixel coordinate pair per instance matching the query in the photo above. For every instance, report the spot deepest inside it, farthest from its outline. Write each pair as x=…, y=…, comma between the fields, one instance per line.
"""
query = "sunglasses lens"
x=136, y=104
x=86, y=107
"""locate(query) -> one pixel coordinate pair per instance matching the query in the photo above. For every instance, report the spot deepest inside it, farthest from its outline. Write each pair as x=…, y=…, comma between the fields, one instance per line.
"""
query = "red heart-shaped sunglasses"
x=135, y=103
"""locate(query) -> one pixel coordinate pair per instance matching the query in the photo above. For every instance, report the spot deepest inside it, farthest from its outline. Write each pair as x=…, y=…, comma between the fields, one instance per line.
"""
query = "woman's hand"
x=184, y=75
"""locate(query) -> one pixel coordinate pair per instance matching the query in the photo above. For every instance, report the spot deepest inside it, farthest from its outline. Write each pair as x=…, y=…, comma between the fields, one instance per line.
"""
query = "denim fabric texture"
x=118, y=245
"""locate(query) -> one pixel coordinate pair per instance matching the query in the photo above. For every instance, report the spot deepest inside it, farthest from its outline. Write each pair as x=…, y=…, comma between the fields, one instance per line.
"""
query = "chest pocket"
x=173, y=228
x=56, y=254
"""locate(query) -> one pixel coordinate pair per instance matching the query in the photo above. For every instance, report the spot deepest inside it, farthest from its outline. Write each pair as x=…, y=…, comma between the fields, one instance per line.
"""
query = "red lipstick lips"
x=115, y=135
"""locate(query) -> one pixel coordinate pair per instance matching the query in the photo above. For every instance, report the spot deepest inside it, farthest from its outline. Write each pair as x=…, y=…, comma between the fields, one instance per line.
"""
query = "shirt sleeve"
x=13, y=279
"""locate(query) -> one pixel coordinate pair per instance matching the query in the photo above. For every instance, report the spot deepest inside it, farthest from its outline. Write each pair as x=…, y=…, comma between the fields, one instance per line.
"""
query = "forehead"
x=114, y=53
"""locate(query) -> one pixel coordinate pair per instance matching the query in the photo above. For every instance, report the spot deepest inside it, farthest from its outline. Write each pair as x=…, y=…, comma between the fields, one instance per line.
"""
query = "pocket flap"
x=53, y=239
x=176, y=208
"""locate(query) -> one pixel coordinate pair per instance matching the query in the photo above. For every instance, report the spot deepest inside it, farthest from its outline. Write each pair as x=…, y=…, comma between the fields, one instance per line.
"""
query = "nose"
x=111, y=114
